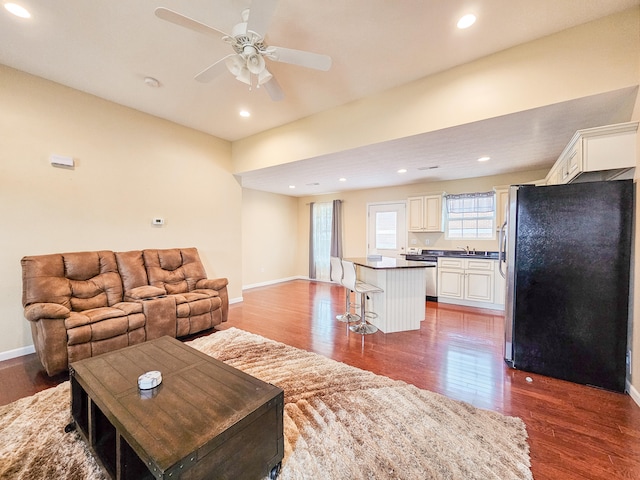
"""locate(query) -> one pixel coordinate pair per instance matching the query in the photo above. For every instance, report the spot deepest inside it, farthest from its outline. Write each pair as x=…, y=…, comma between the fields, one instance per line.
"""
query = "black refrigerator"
x=567, y=250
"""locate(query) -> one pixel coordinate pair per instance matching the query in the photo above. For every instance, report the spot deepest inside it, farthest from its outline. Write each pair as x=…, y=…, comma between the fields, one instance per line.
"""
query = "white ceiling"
x=108, y=47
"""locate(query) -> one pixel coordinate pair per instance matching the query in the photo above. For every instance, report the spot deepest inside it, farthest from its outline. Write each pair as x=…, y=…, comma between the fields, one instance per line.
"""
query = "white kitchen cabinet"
x=450, y=283
x=466, y=279
x=601, y=153
x=425, y=213
x=502, y=200
x=500, y=291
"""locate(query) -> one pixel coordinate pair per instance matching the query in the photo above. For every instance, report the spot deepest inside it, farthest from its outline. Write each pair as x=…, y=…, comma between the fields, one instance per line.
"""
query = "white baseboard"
x=18, y=352
x=273, y=282
x=236, y=300
x=633, y=393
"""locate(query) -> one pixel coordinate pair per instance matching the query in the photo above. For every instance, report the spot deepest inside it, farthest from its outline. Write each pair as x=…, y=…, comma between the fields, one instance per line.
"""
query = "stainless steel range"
x=432, y=273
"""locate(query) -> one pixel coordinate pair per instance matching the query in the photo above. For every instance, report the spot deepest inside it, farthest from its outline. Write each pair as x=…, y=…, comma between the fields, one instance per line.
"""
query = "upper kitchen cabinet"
x=425, y=213
x=601, y=153
x=502, y=199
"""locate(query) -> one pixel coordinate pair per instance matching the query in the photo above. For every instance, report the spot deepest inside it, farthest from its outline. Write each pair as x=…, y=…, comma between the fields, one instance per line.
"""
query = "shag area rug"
x=340, y=423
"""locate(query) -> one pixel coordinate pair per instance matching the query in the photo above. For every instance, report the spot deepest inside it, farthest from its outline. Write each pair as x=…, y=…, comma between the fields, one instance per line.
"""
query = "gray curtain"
x=312, y=263
x=336, y=229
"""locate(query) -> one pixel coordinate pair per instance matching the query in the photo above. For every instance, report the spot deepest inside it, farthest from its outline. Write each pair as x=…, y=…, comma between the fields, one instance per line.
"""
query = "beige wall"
x=593, y=58
x=130, y=167
x=269, y=237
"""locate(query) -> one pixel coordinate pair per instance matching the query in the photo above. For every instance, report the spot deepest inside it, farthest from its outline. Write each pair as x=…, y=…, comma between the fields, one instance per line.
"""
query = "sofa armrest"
x=38, y=311
x=212, y=283
x=143, y=292
x=220, y=285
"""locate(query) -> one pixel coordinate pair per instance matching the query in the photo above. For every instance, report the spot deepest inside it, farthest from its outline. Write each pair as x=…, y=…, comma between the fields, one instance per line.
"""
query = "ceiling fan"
x=247, y=63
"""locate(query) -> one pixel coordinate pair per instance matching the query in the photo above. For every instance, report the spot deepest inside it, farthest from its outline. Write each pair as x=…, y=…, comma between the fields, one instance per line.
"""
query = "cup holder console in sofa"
x=83, y=304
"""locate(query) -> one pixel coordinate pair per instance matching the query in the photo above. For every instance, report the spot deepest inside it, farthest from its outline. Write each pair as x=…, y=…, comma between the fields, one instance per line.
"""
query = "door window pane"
x=386, y=237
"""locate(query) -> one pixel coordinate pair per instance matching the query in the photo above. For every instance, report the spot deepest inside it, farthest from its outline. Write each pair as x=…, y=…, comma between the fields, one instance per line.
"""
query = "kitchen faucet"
x=465, y=249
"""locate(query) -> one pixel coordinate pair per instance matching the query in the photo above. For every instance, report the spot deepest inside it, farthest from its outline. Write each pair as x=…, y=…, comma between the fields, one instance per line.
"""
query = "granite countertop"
x=387, y=263
x=484, y=254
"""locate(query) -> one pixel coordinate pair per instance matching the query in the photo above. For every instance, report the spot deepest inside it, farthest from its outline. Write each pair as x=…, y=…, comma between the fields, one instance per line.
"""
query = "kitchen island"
x=401, y=306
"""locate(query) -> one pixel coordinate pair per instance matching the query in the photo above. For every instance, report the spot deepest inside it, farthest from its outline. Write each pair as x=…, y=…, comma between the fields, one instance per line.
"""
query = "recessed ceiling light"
x=402, y=170
x=342, y=179
x=467, y=21
x=17, y=10
x=244, y=113
x=292, y=186
x=151, y=82
x=484, y=159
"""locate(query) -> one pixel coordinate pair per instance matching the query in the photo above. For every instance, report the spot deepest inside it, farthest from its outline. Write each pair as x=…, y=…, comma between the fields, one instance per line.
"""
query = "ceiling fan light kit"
x=248, y=64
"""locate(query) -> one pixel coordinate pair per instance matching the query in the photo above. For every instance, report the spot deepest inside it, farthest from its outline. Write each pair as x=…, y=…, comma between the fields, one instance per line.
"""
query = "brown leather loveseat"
x=83, y=304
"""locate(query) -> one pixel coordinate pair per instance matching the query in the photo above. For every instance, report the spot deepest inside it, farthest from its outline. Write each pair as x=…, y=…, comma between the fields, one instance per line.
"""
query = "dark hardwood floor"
x=575, y=432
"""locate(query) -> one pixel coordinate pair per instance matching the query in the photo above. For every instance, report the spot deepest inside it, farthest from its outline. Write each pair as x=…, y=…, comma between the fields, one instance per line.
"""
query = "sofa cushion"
x=76, y=319
x=77, y=281
x=144, y=292
x=129, y=307
x=193, y=296
x=177, y=270
x=198, y=307
x=109, y=328
x=43, y=281
x=95, y=281
x=131, y=268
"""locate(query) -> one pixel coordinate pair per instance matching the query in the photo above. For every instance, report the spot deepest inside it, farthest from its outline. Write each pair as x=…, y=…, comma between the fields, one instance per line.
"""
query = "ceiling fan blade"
x=260, y=15
x=213, y=71
x=274, y=90
x=299, y=57
x=190, y=23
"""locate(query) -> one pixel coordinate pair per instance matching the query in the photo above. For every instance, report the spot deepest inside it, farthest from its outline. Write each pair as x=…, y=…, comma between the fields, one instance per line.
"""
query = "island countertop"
x=387, y=263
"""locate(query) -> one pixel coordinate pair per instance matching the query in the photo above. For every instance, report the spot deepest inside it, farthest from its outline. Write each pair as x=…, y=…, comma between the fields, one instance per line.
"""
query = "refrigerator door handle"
x=502, y=248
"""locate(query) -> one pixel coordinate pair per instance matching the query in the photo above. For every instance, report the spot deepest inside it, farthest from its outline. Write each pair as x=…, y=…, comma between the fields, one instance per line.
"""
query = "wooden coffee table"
x=205, y=420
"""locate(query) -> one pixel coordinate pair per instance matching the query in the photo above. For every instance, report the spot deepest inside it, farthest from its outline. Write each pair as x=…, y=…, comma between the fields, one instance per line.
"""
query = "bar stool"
x=350, y=281
x=336, y=277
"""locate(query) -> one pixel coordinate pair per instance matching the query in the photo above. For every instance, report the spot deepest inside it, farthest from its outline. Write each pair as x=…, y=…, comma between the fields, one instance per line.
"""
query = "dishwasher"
x=432, y=273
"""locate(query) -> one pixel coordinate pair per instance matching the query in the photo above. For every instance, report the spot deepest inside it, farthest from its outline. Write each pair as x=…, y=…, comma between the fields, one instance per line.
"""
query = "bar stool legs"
x=350, y=281
x=348, y=317
x=363, y=327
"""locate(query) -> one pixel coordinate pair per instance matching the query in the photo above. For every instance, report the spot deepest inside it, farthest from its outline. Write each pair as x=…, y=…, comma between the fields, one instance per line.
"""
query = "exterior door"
x=387, y=229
